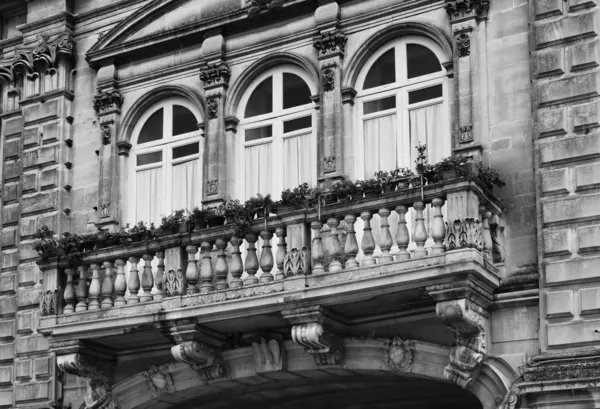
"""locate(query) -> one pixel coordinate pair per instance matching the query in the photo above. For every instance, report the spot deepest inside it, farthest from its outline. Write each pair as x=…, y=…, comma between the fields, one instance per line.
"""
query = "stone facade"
x=505, y=319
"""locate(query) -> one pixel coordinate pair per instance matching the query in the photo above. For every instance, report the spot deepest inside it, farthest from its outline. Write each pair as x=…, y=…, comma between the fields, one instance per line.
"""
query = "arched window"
x=165, y=172
x=402, y=101
x=277, y=147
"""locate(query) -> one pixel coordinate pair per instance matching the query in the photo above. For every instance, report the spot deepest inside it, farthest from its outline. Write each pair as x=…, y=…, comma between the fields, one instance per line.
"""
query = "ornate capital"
x=398, y=355
x=268, y=355
x=331, y=42
x=469, y=321
x=199, y=357
x=99, y=391
x=459, y=9
x=256, y=6
x=313, y=329
x=159, y=380
x=107, y=101
x=215, y=75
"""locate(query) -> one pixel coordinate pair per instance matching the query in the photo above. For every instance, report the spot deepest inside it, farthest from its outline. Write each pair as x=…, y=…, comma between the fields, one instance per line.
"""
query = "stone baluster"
x=120, y=283
x=317, y=248
x=385, y=237
x=251, y=260
x=147, y=278
x=351, y=247
x=191, y=272
x=94, y=291
x=69, y=294
x=133, y=284
x=236, y=267
x=107, y=285
x=82, y=290
x=266, y=257
x=160, y=273
x=368, y=242
x=206, y=269
x=221, y=267
x=420, y=233
x=281, y=233
x=486, y=234
x=438, y=229
x=335, y=250
x=402, y=236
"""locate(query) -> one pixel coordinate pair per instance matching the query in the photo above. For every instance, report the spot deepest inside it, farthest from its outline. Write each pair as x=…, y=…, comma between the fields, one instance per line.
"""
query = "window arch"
x=165, y=169
x=402, y=101
x=277, y=148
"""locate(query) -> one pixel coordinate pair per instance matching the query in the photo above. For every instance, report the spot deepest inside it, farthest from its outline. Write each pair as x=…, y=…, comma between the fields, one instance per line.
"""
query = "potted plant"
x=140, y=231
x=214, y=216
x=402, y=177
x=452, y=167
x=174, y=223
x=421, y=166
x=263, y=205
x=231, y=210
x=491, y=177
x=69, y=248
x=300, y=196
x=343, y=190
x=388, y=180
x=46, y=245
x=370, y=187
x=430, y=174
x=199, y=218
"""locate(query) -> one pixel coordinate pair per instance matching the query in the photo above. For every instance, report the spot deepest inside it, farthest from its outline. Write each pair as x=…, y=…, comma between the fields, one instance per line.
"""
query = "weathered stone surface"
x=25, y=322
x=589, y=300
x=6, y=398
x=585, y=116
x=566, y=29
x=588, y=238
x=12, y=149
x=573, y=333
x=23, y=369
x=570, y=149
x=552, y=122
x=39, y=157
x=568, y=210
x=31, y=137
x=10, y=193
x=28, y=274
x=8, y=305
x=13, y=127
x=42, y=367
x=27, y=298
x=11, y=214
x=6, y=375
x=550, y=63
x=32, y=391
x=9, y=237
x=40, y=202
x=29, y=182
x=7, y=330
x=587, y=176
x=572, y=271
x=575, y=5
x=557, y=242
x=40, y=112
x=567, y=89
x=8, y=283
x=12, y=170
x=49, y=178
x=559, y=304
x=50, y=133
x=555, y=181
x=10, y=258
x=548, y=8
x=514, y=325
x=584, y=55
x=7, y=352
x=35, y=343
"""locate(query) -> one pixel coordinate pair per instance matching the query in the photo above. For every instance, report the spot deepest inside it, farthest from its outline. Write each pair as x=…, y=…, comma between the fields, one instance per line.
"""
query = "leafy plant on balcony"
x=172, y=223
x=452, y=166
x=491, y=177
x=421, y=160
x=46, y=245
x=137, y=232
x=67, y=247
x=301, y=195
x=343, y=189
x=370, y=186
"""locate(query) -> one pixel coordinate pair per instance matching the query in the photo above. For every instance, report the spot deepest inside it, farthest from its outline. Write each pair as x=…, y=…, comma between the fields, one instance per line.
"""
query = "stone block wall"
x=567, y=140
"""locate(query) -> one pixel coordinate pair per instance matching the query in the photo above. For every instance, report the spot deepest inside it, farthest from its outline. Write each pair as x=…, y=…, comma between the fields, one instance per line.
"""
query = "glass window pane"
x=379, y=105
x=259, y=133
x=153, y=128
x=261, y=100
x=295, y=91
x=383, y=70
x=425, y=94
x=421, y=61
x=148, y=158
x=295, y=124
x=186, y=150
x=183, y=120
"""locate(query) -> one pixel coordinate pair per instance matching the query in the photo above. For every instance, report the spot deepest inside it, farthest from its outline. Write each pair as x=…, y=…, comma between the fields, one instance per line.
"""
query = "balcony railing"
x=472, y=217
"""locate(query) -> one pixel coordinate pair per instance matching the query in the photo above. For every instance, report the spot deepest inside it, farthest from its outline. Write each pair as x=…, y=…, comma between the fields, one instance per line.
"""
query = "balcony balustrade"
x=223, y=272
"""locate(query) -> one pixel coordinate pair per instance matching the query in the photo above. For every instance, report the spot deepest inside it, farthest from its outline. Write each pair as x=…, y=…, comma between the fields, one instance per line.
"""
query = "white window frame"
x=276, y=118
x=400, y=89
x=166, y=145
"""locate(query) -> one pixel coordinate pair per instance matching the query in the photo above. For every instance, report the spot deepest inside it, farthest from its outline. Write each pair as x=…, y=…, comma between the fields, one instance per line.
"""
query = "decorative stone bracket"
x=268, y=355
x=313, y=328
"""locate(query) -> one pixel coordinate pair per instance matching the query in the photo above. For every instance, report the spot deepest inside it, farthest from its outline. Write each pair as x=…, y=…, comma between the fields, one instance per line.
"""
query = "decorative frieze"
x=108, y=101
x=215, y=75
x=296, y=263
x=173, y=283
x=463, y=44
x=268, y=355
x=398, y=355
x=331, y=42
x=159, y=380
x=465, y=233
x=256, y=6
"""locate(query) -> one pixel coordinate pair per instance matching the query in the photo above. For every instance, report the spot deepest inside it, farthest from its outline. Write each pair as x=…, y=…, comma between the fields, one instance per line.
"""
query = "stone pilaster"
x=330, y=45
x=215, y=75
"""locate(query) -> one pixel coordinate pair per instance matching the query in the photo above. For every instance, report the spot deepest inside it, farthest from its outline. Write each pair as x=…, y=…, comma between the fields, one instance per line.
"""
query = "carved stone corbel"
x=268, y=355
x=99, y=390
x=315, y=329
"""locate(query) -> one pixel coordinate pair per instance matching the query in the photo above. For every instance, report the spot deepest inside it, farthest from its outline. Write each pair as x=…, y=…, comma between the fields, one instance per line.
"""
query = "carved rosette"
x=463, y=44
x=458, y=9
x=469, y=321
x=200, y=358
x=296, y=263
x=159, y=380
x=256, y=6
x=215, y=75
x=108, y=101
x=99, y=394
x=328, y=80
x=268, y=356
x=398, y=355
x=331, y=42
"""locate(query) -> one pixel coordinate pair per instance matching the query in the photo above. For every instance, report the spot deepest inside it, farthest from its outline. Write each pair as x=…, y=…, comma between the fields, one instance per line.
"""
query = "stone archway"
x=287, y=377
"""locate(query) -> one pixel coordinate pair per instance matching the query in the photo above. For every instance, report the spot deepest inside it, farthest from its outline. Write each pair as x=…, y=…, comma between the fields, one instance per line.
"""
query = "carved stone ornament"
x=466, y=133
x=329, y=164
x=107, y=101
x=99, y=393
x=268, y=355
x=330, y=42
x=466, y=233
x=49, y=303
x=106, y=134
x=324, y=345
x=105, y=210
x=296, y=263
x=256, y=6
x=212, y=107
x=463, y=43
x=328, y=80
x=212, y=186
x=200, y=358
x=159, y=380
x=215, y=74
x=173, y=283
x=398, y=355
x=468, y=321
x=458, y=9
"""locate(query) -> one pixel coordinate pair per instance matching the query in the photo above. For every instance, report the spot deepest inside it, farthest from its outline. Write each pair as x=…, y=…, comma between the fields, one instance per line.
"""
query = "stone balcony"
x=438, y=274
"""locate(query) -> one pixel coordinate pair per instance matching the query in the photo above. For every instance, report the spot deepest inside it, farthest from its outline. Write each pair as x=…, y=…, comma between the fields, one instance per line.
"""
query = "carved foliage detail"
x=159, y=380
x=329, y=164
x=106, y=134
x=212, y=105
x=330, y=42
x=173, y=283
x=464, y=8
x=49, y=303
x=107, y=101
x=398, y=355
x=466, y=133
x=212, y=186
x=328, y=80
x=105, y=211
x=215, y=74
x=267, y=355
x=255, y=6
x=465, y=233
x=463, y=42
x=296, y=262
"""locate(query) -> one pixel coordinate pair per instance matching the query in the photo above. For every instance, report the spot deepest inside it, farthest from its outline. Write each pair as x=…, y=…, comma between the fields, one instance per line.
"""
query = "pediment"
x=162, y=20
